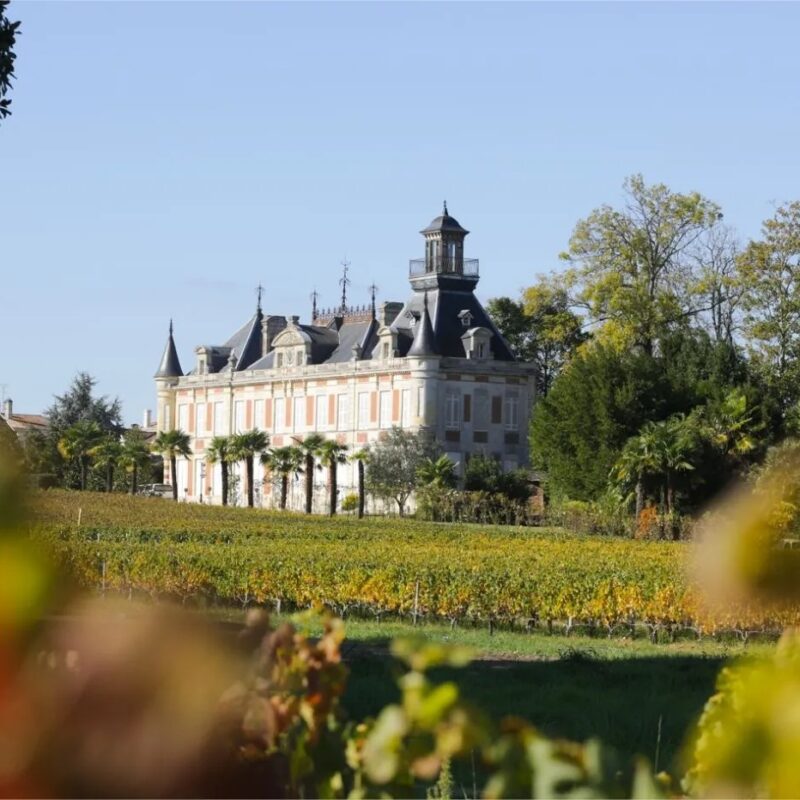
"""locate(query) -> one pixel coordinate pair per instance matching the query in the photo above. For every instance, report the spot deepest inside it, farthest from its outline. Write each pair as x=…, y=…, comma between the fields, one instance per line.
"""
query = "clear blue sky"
x=163, y=159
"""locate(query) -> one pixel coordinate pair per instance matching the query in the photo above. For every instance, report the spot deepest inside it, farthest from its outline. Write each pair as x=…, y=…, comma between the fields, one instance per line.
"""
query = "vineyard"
x=458, y=573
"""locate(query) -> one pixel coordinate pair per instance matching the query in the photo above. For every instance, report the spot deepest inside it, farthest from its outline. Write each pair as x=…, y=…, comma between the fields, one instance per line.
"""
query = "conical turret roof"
x=170, y=366
x=424, y=343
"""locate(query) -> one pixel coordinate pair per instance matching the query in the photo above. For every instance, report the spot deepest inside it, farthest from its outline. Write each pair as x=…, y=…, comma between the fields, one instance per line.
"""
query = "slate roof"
x=424, y=343
x=170, y=366
x=444, y=222
x=444, y=306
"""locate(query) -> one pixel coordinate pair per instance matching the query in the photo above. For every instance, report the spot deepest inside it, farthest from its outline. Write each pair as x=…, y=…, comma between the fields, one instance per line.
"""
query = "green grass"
x=575, y=687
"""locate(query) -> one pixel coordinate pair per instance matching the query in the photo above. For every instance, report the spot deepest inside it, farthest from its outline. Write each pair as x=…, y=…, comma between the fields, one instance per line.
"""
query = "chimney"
x=147, y=420
x=270, y=328
x=8, y=407
x=387, y=313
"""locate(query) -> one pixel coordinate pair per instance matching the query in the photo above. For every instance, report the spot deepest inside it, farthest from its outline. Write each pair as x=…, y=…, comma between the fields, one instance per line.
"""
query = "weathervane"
x=314, y=296
x=259, y=290
x=344, y=282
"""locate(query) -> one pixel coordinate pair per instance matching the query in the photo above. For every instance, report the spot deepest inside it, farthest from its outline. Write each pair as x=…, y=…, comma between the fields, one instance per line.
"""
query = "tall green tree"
x=78, y=403
x=394, y=463
x=219, y=452
x=135, y=455
x=8, y=38
x=245, y=447
x=770, y=273
x=106, y=454
x=631, y=267
x=601, y=399
x=285, y=462
x=172, y=444
x=310, y=447
x=77, y=443
x=332, y=454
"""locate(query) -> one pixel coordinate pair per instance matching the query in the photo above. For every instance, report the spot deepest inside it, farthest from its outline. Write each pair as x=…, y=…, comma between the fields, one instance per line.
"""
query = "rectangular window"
x=299, y=413
x=344, y=413
x=219, y=419
x=258, y=415
x=467, y=407
x=183, y=417
x=452, y=410
x=363, y=410
x=385, y=419
x=239, y=409
x=405, y=408
x=200, y=419
x=280, y=414
x=322, y=412
x=497, y=410
x=511, y=412
x=480, y=410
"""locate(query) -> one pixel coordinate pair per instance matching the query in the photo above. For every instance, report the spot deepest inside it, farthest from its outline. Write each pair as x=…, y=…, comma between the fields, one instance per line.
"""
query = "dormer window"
x=279, y=360
x=476, y=343
x=466, y=318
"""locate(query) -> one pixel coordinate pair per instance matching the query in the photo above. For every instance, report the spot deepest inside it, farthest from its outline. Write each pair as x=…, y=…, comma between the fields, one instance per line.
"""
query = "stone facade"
x=435, y=363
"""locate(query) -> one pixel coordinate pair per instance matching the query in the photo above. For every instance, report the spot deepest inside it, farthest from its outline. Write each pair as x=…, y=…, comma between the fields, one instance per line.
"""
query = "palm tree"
x=283, y=461
x=360, y=457
x=219, y=452
x=244, y=447
x=729, y=424
x=331, y=453
x=675, y=442
x=437, y=473
x=135, y=455
x=107, y=453
x=637, y=460
x=78, y=442
x=310, y=447
x=172, y=444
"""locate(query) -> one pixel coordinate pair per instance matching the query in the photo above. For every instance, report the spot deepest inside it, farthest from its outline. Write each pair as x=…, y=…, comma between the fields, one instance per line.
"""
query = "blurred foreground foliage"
x=101, y=698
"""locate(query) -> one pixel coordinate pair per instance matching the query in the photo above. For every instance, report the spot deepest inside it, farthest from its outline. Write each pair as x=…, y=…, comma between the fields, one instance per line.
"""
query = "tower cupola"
x=444, y=252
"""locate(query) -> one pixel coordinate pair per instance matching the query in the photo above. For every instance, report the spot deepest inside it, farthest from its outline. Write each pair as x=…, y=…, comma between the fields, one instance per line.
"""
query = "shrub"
x=350, y=502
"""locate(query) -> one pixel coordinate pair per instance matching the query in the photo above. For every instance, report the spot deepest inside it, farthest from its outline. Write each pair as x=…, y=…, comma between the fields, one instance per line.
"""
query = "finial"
x=170, y=326
x=259, y=290
x=373, y=290
x=344, y=282
x=445, y=209
x=314, y=295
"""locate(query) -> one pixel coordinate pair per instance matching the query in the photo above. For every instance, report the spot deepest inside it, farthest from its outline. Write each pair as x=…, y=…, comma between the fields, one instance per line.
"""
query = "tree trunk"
x=400, y=506
x=250, y=494
x=84, y=469
x=309, y=482
x=109, y=477
x=332, y=480
x=223, y=469
x=639, y=496
x=134, y=478
x=360, y=489
x=173, y=470
x=284, y=490
x=670, y=492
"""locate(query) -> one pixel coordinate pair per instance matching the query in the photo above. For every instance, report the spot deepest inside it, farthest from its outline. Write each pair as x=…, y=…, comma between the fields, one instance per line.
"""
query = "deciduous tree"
x=394, y=463
x=631, y=267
